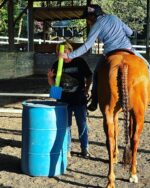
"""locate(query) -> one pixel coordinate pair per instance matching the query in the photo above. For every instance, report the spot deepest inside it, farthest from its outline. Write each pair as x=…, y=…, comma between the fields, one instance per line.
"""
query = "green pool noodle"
x=60, y=66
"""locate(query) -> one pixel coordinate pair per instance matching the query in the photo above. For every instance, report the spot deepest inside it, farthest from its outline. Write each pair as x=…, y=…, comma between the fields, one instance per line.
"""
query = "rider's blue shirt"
x=111, y=31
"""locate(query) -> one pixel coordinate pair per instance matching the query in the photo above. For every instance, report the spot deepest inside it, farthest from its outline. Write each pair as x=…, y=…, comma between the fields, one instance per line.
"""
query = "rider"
x=111, y=31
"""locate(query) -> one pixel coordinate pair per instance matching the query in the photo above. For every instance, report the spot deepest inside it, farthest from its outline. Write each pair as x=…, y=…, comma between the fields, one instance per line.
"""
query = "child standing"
x=75, y=83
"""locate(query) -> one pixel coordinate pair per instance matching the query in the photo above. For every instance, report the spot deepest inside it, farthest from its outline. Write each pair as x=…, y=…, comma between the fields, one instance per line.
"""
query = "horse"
x=123, y=86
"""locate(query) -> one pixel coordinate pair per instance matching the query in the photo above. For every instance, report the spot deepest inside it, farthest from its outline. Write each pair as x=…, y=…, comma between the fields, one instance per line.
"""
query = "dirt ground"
x=80, y=172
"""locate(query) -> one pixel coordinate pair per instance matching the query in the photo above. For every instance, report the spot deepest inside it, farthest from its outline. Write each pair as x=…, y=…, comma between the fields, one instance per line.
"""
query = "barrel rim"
x=42, y=104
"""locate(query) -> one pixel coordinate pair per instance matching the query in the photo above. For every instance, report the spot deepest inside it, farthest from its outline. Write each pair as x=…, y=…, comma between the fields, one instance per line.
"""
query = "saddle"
x=119, y=50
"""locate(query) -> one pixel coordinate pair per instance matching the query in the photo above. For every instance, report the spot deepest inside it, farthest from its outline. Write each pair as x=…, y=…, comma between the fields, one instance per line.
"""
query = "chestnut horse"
x=123, y=85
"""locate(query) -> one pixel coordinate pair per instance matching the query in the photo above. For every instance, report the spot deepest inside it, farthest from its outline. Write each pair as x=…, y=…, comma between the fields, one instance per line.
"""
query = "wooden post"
x=148, y=31
x=30, y=25
x=88, y=28
x=44, y=31
x=10, y=25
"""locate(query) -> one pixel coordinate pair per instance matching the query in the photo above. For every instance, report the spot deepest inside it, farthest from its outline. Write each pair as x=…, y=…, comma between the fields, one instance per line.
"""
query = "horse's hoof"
x=115, y=160
x=133, y=179
x=110, y=185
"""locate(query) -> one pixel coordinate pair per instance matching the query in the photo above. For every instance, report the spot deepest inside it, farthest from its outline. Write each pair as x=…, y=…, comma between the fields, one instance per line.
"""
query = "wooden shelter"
x=51, y=13
x=44, y=14
x=14, y=64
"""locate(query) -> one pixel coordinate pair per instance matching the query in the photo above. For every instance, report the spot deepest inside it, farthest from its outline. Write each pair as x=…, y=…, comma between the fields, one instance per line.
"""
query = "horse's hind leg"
x=116, y=133
x=109, y=126
x=132, y=125
x=138, y=124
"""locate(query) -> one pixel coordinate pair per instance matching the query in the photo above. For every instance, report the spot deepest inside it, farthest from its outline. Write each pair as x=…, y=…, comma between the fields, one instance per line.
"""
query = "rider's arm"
x=93, y=34
x=127, y=29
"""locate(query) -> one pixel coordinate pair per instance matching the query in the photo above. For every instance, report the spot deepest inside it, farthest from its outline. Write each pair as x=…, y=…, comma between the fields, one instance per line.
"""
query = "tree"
x=3, y=21
x=18, y=6
x=20, y=26
x=132, y=12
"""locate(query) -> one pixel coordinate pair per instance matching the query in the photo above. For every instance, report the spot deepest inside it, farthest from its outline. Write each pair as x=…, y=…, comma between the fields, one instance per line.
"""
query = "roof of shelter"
x=59, y=13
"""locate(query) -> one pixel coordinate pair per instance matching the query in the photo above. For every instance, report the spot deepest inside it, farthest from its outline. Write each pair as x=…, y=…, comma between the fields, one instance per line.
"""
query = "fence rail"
x=97, y=48
x=4, y=40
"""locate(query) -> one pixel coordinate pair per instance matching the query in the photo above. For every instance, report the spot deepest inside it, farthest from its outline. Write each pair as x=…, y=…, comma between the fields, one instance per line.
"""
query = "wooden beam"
x=30, y=26
x=25, y=95
x=148, y=31
x=58, y=13
x=10, y=110
x=10, y=25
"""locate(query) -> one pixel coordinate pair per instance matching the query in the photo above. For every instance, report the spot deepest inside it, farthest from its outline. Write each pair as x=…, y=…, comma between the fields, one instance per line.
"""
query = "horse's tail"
x=125, y=103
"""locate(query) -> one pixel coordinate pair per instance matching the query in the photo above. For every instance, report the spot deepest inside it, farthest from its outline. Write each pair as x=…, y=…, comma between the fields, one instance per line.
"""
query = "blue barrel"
x=44, y=138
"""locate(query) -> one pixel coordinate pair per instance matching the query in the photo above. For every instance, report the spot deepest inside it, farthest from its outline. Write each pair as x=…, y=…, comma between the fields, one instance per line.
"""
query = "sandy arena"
x=80, y=172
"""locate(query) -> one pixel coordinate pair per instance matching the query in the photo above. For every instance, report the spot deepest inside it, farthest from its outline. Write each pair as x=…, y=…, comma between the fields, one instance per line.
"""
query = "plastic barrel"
x=44, y=138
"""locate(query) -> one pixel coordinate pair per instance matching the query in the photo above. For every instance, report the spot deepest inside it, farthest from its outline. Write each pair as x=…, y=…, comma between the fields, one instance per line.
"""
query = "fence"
x=4, y=40
x=96, y=49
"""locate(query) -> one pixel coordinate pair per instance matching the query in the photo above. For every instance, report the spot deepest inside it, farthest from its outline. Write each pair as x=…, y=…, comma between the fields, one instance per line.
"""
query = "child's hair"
x=66, y=45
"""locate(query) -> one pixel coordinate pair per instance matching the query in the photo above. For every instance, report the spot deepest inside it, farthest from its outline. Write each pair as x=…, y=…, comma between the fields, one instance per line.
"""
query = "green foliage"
x=80, y=23
x=3, y=21
x=18, y=6
x=132, y=12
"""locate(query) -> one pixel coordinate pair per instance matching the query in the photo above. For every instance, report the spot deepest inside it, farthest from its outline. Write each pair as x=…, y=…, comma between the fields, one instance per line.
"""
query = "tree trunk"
x=20, y=29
